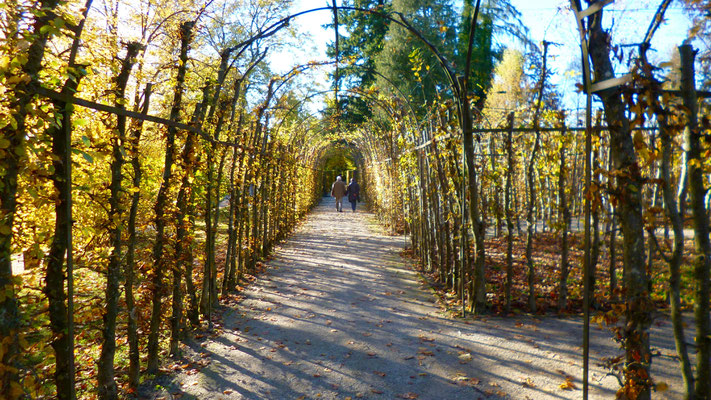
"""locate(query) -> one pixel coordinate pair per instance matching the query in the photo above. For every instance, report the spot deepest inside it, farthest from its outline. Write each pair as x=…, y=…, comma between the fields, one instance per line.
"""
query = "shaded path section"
x=338, y=315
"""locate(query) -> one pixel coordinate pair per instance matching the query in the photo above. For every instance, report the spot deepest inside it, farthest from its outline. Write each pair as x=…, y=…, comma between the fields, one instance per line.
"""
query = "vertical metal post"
x=580, y=16
x=335, y=80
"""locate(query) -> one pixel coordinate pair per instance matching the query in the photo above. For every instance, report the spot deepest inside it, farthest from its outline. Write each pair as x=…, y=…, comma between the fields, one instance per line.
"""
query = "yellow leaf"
x=567, y=385
x=662, y=387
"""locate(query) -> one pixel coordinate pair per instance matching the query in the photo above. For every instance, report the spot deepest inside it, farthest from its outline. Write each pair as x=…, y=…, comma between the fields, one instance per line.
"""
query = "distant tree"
x=701, y=27
x=509, y=87
x=405, y=61
x=483, y=53
x=356, y=54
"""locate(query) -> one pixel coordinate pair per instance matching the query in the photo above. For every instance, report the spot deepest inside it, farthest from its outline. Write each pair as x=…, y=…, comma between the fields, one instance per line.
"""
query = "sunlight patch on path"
x=337, y=315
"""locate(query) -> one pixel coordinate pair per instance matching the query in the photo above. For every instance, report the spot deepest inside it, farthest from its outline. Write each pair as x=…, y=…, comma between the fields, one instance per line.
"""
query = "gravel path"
x=338, y=315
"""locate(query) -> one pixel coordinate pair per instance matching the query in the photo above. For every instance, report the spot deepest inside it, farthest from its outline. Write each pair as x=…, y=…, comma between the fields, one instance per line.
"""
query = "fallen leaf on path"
x=379, y=373
x=376, y=391
x=408, y=395
x=464, y=380
x=528, y=383
x=228, y=391
x=567, y=385
x=465, y=358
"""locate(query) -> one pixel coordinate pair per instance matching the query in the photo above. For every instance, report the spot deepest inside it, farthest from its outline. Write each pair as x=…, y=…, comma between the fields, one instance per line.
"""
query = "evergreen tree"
x=406, y=62
x=356, y=54
x=483, y=53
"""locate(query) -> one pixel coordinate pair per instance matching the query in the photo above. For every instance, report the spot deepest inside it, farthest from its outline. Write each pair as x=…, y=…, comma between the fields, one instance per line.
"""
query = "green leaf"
x=84, y=154
x=87, y=157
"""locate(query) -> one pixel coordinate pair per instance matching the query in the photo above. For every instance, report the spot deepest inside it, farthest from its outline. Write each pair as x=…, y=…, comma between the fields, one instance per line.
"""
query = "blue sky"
x=549, y=20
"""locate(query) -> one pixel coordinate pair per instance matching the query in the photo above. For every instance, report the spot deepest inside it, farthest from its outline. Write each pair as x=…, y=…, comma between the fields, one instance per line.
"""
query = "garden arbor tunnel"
x=326, y=150
x=339, y=159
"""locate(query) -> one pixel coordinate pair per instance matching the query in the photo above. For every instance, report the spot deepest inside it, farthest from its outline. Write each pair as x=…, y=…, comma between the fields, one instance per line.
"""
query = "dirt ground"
x=339, y=315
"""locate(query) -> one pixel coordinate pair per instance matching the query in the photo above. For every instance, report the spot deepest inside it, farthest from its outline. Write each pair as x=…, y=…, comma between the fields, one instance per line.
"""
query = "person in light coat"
x=338, y=191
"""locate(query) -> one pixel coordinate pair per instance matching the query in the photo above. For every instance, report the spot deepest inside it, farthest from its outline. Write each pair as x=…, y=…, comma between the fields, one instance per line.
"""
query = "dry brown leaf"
x=408, y=395
x=379, y=373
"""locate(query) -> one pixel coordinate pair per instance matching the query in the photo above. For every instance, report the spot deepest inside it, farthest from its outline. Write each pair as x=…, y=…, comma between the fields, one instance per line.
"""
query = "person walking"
x=353, y=192
x=338, y=190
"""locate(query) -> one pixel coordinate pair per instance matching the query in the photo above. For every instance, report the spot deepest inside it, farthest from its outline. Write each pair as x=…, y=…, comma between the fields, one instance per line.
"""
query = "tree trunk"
x=55, y=278
x=629, y=183
x=702, y=246
x=183, y=242
x=531, y=221
x=134, y=368
x=479, y=301
x=596, y=204
x=509, y=213
x=162, y=200
x=10, y=162
x=564, y=221
x=530, y=216
x=674, y=207
x=105, y=365
x=612, y=269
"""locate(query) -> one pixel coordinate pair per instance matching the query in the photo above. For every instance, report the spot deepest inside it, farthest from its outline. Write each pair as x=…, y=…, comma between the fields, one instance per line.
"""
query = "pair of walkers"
x=339, y=191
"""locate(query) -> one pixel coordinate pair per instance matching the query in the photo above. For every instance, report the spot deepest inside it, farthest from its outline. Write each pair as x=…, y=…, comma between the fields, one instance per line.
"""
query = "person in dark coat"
x=353, y=193
x=338, y=190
